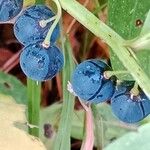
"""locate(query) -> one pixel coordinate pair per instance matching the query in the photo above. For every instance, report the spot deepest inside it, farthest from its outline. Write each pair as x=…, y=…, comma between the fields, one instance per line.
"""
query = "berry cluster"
x=39, y=61
x=90, y=84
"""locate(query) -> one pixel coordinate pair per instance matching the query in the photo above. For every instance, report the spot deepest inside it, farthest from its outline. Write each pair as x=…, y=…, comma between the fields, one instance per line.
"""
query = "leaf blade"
x=127, y=18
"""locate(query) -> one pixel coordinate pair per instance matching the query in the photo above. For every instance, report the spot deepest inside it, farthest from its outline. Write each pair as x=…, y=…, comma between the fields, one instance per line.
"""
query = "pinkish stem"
x=88, y=142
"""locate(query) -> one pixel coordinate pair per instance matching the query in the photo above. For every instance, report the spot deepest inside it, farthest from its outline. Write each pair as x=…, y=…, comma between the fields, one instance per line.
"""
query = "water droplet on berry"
x=88, y=67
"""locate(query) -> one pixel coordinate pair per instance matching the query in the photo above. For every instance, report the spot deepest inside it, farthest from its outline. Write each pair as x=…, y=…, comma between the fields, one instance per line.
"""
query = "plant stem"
x=115, y=41
x=88, y=142
x=34, y=96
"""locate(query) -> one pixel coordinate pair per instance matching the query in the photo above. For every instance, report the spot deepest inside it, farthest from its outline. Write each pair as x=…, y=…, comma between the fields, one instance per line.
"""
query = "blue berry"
x=39, y=63
x=9, y=9
x=128, y=108
x=27, y=28
x=89, y=83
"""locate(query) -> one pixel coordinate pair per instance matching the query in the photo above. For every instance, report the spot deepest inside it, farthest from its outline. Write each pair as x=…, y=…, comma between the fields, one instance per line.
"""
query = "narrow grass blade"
x=62, y=141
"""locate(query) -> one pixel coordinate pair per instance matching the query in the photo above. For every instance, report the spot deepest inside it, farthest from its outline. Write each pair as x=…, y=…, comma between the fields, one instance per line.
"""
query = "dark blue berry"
x=27, y=28
x=89, y=83
x=39, y=63
x=129, y=108
x=9, y=9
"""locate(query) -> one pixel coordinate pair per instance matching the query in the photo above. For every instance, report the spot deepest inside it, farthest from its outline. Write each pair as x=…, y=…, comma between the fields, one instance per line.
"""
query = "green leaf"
x=124, y=16
x=9, y=85
x=110, y=124
x=78, y=119
x=133, y=140
x=50, y=115
x=144, y=58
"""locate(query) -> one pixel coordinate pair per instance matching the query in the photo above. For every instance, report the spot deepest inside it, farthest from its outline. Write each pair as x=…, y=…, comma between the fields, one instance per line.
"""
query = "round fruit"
x=27, y=28
x=39, y=63
x=89, y=83
x=129, y=108
x=9, y=9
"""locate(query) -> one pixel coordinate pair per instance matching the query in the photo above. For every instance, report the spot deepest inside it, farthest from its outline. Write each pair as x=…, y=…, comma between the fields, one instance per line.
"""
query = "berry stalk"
x=46, y=42
x=108, y=74
x=134, y=91
x=43, y=23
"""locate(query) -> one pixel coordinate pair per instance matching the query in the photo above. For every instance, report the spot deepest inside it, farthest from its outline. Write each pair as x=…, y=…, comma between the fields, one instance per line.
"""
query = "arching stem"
x=46, y=42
